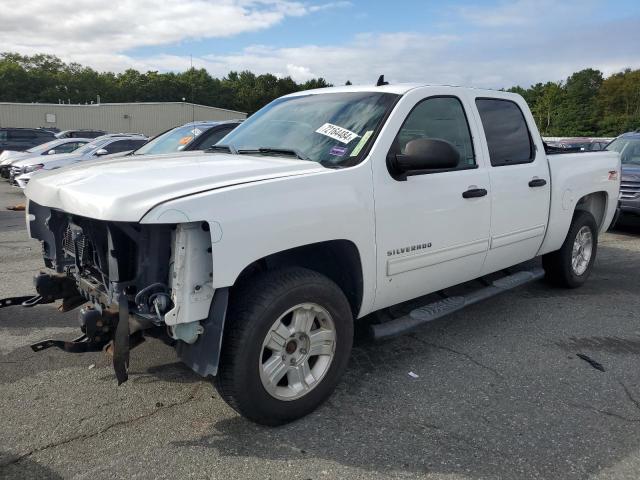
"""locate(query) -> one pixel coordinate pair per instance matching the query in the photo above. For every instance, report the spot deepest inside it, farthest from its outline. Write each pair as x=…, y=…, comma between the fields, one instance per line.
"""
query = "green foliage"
x=45, y=78
x=585, y=104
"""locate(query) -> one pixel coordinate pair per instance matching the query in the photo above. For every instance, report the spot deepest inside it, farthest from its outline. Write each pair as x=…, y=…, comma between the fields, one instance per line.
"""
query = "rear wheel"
x=286, y=344
x=572, y=264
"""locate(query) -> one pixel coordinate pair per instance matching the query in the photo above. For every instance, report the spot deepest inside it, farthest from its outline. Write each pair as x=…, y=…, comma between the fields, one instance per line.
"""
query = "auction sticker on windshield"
x=337, y=133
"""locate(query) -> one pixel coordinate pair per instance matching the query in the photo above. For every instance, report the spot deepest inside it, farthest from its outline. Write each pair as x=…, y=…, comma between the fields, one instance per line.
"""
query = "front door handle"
x=537, y=182
x=474, y=193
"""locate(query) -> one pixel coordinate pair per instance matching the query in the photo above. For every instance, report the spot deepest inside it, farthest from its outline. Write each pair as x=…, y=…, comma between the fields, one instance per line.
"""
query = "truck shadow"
x=26, y=468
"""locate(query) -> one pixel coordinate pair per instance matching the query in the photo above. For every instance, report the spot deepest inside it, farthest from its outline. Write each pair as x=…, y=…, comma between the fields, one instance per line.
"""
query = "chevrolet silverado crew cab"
x=323, y=208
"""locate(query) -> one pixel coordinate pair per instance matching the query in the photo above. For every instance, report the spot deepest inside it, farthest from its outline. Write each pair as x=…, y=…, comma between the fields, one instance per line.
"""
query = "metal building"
x=149, y=118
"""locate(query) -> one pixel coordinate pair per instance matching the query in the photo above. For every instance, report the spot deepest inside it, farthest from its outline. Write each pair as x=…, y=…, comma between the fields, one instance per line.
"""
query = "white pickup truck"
x=324, y=207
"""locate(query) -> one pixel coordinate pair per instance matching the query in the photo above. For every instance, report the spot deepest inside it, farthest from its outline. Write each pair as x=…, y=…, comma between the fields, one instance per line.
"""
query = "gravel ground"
x=500, y=393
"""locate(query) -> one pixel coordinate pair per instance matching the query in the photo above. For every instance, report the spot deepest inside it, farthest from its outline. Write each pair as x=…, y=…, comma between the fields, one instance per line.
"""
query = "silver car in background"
x=99, y=147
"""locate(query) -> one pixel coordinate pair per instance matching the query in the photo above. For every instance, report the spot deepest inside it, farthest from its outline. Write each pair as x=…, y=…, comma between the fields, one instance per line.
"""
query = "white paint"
x=124, y=189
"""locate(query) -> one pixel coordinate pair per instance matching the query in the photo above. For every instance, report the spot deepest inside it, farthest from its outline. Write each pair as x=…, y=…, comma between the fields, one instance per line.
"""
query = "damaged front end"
x=133, y=279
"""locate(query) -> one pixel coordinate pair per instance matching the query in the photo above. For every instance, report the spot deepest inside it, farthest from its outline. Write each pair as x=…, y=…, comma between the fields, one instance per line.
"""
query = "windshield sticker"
x=338, y=151
x=196, y=132
x=361, y=143
x=337, y=133
x=185, y=140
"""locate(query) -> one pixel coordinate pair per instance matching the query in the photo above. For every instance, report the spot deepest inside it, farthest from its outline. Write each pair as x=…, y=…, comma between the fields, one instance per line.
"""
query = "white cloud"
x=86, y=27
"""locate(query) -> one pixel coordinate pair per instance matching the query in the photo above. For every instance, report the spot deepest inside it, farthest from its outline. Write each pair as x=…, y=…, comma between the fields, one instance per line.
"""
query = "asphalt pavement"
x=499, y=392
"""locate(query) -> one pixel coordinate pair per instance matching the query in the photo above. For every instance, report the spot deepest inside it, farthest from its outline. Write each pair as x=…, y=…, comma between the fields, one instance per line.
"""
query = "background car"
x=54, y=147
x=583, y=144
x=98, y=148
x=190, y=136
x=81, y=133
x=628, y=145
x=64, y=145
x=21, y=139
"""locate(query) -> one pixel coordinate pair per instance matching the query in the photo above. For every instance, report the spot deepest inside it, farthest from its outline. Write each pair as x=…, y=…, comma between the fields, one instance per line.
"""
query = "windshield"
x=329, y=128
x=628, y=148
x=172, y=141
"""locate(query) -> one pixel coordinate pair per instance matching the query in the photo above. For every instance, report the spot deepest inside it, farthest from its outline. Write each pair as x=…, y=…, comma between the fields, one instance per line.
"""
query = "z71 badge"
x=409, y=249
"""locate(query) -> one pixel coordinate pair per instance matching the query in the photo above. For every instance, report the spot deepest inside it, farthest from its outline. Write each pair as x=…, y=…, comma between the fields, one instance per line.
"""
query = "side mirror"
x=101, y=152
x=51, y=152
x=423, y=154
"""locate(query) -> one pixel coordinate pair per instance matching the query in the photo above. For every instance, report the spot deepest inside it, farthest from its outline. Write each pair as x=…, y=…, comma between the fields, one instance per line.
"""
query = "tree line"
x=47, y=79
x=585, y=104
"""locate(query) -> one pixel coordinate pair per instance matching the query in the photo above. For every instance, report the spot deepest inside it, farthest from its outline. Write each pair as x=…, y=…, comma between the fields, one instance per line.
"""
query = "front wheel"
x=572, y=264
x=286, y=344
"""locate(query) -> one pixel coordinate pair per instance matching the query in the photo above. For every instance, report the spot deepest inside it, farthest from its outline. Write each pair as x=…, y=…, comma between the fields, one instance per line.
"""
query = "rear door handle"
x=474, y=193
x=537, y=182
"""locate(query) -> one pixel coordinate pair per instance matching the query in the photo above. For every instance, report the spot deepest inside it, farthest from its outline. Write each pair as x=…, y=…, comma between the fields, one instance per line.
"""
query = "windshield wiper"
x=281, y=151
x=222, y=148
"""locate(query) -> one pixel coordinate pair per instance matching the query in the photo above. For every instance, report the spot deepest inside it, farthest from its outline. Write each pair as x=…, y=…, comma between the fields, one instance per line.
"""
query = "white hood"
x=125, y=189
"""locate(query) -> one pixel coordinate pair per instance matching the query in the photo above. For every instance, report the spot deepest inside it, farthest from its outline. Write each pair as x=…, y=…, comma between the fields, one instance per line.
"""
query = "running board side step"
x=433, y=311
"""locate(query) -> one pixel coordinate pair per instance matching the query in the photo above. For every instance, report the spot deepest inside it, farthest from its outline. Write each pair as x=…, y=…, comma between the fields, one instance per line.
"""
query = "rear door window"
x=506, y=131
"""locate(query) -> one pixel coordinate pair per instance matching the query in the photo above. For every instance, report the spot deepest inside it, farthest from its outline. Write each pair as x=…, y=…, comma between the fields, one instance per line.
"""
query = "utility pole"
x=193, y=106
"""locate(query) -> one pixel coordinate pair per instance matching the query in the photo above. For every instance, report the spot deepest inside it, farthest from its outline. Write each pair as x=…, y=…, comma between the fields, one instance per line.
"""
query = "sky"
x=492, y=44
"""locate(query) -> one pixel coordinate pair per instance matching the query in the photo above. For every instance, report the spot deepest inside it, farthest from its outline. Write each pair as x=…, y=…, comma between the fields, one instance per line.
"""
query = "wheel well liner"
x=596, y=204
x=339, y=260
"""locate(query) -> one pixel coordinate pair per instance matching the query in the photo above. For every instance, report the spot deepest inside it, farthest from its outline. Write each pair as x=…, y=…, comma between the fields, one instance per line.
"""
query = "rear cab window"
x=505, y=128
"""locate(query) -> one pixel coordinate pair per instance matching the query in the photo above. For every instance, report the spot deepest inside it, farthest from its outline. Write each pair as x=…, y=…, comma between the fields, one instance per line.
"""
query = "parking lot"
x=500, y=393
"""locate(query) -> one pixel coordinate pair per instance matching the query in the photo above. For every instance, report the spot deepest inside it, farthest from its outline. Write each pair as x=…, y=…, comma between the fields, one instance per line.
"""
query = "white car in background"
x=99, y=147
x=61, y=145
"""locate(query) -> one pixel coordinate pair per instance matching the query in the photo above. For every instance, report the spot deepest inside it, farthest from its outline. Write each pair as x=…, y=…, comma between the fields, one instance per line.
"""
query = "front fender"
x=252, y=221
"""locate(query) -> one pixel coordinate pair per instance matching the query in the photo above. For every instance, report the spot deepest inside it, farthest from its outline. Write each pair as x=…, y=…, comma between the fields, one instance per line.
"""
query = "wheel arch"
x=339, y=260
x=597, y=203
x=594, y=203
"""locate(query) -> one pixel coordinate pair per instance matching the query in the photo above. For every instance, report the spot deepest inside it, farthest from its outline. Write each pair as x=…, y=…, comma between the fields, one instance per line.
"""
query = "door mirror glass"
x=101, y=152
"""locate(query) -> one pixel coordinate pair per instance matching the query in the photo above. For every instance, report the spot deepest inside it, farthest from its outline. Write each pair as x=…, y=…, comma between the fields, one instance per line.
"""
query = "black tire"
x=557, y=265
x=253, y=309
